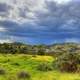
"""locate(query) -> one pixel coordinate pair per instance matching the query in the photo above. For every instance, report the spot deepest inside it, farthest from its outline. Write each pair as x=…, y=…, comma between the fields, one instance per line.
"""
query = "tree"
x=41, y=52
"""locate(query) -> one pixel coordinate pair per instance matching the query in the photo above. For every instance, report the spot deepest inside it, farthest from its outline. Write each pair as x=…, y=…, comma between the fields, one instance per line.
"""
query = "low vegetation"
x=44, y=67
x=2, y=71
x=68, y=62
x=39, y=62
x=23, y=75
x=28, y=67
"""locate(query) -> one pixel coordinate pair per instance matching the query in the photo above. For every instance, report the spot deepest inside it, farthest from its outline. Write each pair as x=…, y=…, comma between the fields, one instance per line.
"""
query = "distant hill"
x=16, y=47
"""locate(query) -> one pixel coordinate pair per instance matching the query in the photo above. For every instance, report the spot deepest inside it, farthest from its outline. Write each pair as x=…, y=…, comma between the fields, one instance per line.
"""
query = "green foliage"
x=24, y=75
x=19, y=63
x=13, y=58
x=68, y=62
x=2, y=71
x=41, y=52
x=52, y=50
x=44, y=67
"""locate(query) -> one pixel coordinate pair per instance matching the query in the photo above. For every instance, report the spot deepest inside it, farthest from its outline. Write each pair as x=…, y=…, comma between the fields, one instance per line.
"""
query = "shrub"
x=2, y=71
x=67, y=62
x=16, y=64
x=34, y=55
x=44, y=67
x=24, y=75
x=11, y=78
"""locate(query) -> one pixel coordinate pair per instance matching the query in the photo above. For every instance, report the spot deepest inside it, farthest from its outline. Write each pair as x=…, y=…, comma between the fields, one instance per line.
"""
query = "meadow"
x=11, y=65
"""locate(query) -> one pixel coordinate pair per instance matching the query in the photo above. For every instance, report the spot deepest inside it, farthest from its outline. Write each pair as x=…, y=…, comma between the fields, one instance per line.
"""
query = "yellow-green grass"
x=20, y=62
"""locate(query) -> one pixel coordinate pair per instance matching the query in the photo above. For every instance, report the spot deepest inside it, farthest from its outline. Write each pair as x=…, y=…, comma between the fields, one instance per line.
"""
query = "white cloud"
x=5, y=41
x=74, y=40
x=2, y=29
x=22, y=10
x=62, y=1
x=25, y=10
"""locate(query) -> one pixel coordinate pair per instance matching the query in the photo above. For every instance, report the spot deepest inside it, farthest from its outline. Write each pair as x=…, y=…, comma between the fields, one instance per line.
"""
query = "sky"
x=40, y=21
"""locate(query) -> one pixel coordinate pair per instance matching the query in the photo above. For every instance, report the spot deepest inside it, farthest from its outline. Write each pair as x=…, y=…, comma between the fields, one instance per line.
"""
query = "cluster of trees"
x=56, y=49
x=16, y=48
x=13, y=48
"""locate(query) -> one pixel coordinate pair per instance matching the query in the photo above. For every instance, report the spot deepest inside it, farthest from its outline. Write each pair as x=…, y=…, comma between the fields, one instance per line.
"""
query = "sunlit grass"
x=15, y=63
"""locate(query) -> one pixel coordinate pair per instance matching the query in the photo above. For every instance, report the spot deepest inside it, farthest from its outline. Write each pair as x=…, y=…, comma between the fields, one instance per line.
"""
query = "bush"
x=2, y=71
x=67, y=62
x=11, y=78
x=44, y=67
x=24, y=75
x=16, y=64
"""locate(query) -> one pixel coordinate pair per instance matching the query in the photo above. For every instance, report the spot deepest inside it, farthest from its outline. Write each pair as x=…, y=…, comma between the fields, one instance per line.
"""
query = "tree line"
x=55, y=49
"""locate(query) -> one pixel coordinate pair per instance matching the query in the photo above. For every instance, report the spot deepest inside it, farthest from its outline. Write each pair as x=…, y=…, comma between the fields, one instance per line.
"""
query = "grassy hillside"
x=11, y=65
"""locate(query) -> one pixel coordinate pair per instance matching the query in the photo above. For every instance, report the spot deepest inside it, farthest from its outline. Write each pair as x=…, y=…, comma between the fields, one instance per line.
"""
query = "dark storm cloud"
x=59, y=15
x=59, y=21
x=4, y=9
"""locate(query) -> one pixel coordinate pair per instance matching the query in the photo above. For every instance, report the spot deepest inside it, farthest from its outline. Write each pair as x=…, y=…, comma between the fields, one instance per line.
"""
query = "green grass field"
x=12, y=64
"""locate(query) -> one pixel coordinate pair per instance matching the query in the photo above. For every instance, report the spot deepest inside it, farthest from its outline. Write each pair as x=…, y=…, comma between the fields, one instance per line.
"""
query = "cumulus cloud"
x=40, y=20
x=2, y=29
x=5, y=41
x=74, y=40
x=62, y=1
